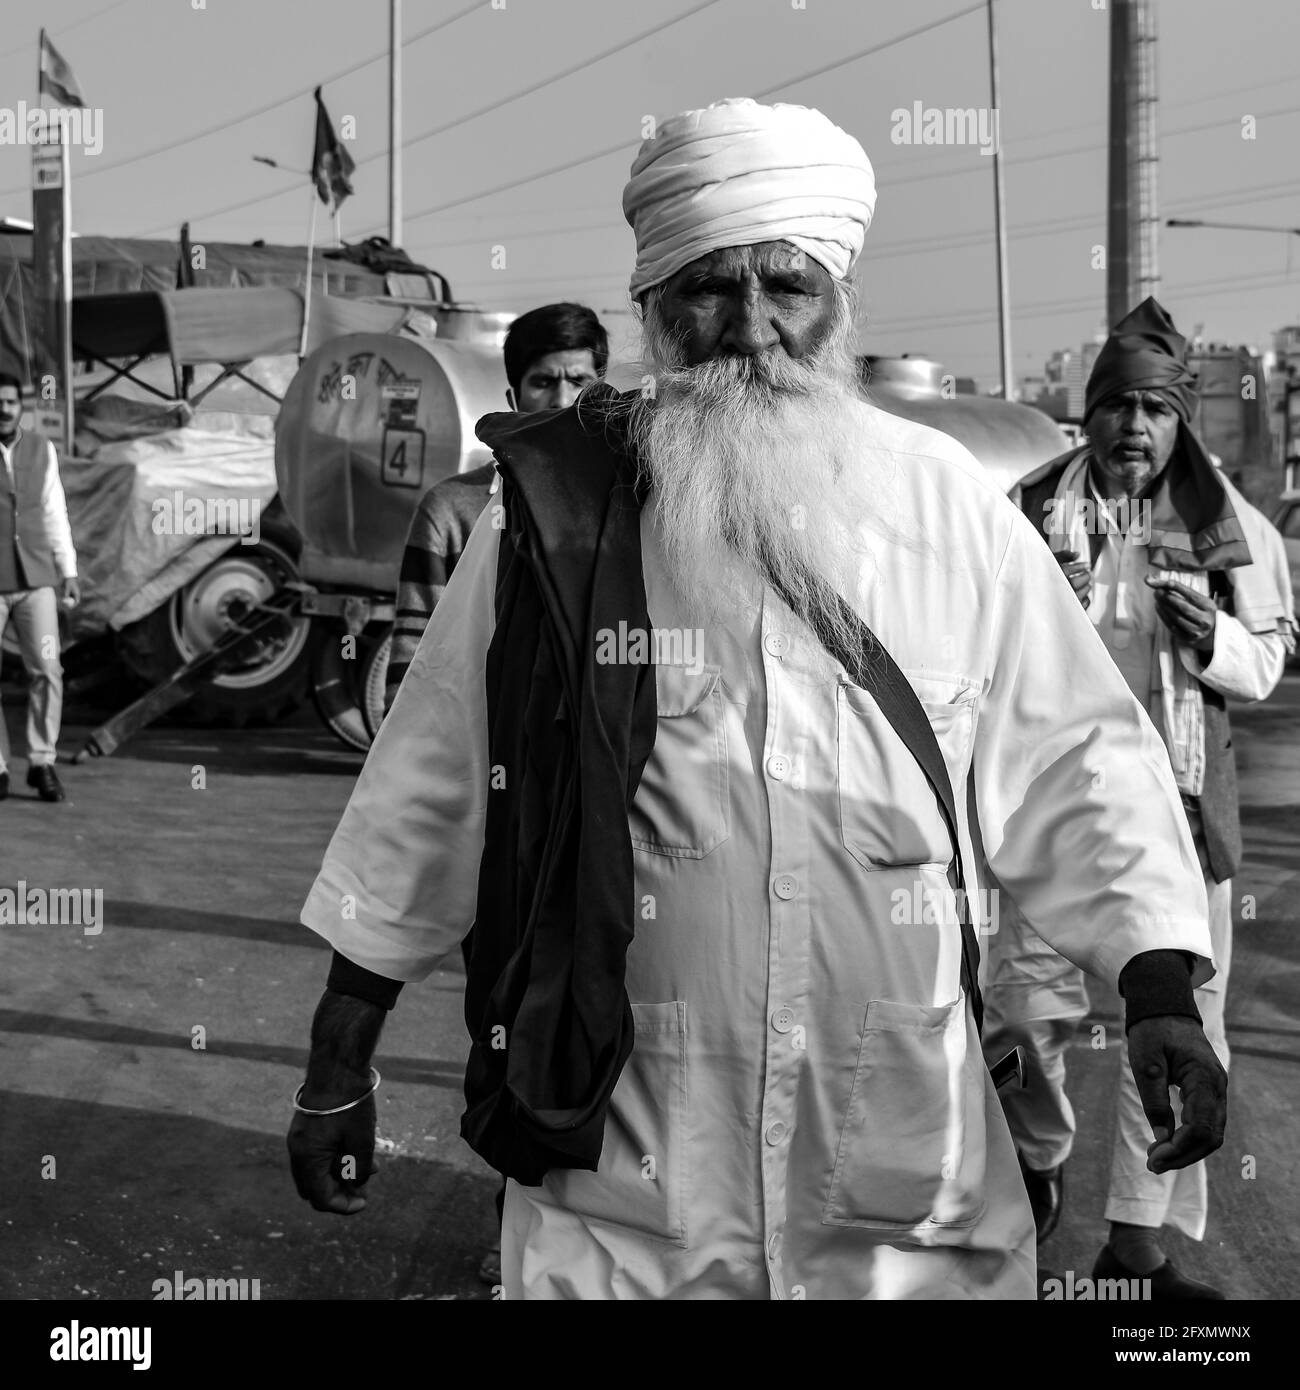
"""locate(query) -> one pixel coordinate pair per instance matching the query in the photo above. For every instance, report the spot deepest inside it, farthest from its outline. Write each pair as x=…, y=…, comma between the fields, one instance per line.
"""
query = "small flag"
x=57, y=78
x=331, y=163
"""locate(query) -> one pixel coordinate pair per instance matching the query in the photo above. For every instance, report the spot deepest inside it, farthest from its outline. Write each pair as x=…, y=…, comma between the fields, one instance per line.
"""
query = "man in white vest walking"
x=36, y=559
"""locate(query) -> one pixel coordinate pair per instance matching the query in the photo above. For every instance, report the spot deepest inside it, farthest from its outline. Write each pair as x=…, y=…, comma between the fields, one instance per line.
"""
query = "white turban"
x=737, y=173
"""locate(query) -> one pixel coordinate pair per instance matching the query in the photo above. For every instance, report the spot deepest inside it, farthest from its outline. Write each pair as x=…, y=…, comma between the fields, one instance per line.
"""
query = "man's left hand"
x=70, y=592
x=1188, y=615
x=1170, y=1050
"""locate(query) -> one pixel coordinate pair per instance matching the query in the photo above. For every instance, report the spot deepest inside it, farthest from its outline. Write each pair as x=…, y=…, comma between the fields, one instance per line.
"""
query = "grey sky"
x=164, y=71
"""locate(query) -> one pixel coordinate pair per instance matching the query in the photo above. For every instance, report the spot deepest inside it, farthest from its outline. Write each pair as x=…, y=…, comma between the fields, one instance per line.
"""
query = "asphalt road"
x=148, y=1069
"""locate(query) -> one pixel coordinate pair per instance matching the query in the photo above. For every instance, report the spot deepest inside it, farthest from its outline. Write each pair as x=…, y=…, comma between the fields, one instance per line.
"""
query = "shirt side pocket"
x=912, y=1148
x=642, y=1182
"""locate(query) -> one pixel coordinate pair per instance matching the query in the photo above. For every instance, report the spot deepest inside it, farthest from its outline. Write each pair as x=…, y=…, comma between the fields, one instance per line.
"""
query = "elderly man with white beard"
x=722, y=995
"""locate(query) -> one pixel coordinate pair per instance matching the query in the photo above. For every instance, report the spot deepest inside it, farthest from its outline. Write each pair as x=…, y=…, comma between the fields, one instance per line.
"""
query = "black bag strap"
x=872, y=668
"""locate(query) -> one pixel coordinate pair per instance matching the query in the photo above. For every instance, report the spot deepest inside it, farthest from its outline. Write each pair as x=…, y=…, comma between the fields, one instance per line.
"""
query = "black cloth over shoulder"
x=568, y=740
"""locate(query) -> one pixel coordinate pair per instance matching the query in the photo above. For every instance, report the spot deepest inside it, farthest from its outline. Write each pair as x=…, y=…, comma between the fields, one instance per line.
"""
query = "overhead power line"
x=969, y=318
x=579, y=66
x=31, y=44
x=630, y=144
x=969, y=167
x=1204, y=100
x=233, y=121
x=876, y=251
x=975, y=318
x=926, y=176
x=483, y=110
x=880, y=168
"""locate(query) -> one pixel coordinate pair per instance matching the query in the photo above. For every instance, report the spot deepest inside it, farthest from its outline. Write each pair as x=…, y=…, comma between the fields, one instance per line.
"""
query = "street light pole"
x=999, y=220
x=395, y=122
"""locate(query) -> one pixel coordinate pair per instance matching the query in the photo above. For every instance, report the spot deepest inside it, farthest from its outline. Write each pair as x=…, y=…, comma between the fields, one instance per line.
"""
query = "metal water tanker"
x=1008, y=439
x=367, y=426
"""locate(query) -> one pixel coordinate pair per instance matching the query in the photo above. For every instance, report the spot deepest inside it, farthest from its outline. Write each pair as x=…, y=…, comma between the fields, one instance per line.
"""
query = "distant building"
x=1233, y=418
x=1059, y=391
x=1284, y=398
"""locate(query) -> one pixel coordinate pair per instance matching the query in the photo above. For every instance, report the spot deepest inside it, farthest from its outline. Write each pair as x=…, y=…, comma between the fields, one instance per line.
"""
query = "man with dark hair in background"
x=550, y=353
x=36, y=559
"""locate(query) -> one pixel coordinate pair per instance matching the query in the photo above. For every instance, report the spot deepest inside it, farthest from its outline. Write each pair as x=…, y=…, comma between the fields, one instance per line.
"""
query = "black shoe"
x=1167, y=1285
x=4, y=785
x=489, y=1271
x=46, y=782
x=1046, y=1194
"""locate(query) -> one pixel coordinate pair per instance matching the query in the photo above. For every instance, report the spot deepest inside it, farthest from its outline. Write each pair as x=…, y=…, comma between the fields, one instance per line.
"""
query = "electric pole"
x=1132, y=229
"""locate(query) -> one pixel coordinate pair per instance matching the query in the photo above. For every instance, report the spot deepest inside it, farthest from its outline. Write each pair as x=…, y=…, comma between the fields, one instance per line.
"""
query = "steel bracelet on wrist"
x=338, y=1109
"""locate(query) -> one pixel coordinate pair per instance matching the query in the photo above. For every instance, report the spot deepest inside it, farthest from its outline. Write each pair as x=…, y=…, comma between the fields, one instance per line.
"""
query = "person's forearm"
x=1244, y=665
x=344, y=1035
x=54, y=508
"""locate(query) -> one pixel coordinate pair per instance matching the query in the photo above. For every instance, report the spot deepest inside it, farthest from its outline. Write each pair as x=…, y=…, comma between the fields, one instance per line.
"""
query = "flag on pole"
x=57, y=78
x=331, y=164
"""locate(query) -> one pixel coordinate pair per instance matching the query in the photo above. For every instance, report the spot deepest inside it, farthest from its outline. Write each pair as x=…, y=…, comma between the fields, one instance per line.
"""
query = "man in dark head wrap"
x=1138, y=409
x=1187, y=586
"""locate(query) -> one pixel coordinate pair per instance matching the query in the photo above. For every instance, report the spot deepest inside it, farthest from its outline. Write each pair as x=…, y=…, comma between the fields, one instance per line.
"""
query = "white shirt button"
x=773, y=1245
x=783, y=1019
x=775, y=1132
x=776, y=644
x=785, y=886
x=778, y=767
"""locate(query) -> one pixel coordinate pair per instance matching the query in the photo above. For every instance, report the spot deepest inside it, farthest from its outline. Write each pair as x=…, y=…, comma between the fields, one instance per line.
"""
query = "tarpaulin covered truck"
x=171, y=483
x=173, y=504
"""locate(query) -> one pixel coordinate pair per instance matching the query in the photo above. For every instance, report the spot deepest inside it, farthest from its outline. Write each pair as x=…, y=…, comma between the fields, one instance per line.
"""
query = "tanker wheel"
x=348, y=690
x=271, y=678
x=374, y=677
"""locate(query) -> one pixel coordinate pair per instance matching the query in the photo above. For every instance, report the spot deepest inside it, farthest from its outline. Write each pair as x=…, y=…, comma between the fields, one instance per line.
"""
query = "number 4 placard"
x=402, y=462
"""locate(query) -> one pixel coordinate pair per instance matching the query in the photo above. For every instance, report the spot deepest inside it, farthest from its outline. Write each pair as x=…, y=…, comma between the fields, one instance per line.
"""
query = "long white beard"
x=752, y=461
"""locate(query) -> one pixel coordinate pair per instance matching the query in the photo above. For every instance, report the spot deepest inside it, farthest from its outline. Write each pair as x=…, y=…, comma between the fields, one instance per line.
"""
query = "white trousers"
x=1035, y=998
x=35, y=616
x=1181, y=1198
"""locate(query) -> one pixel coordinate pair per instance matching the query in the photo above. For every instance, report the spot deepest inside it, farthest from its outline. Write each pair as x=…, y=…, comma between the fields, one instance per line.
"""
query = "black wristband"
x=347, y=977
x=1157, y=982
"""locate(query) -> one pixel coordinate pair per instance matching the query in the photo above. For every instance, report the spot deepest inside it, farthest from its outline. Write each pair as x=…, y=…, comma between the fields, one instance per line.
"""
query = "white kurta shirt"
x=806, y=1113
x=1245, y=665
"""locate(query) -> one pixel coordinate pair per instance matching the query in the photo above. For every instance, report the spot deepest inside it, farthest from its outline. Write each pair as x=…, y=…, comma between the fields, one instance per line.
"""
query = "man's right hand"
x=1078, y=572
x=332, y=1157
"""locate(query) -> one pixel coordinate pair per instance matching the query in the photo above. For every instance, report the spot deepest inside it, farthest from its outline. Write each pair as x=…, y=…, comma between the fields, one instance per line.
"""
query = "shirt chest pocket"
x=682, y=805
x=889, y=814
